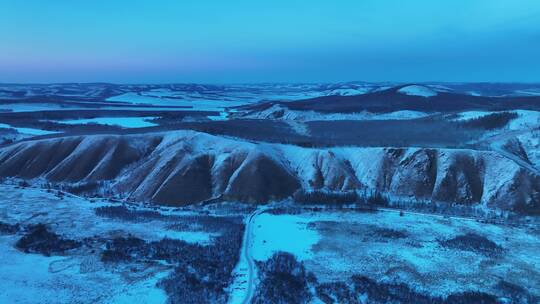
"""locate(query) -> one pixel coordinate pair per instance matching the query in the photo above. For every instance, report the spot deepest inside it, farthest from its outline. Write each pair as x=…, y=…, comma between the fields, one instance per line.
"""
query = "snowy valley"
x=276, y=193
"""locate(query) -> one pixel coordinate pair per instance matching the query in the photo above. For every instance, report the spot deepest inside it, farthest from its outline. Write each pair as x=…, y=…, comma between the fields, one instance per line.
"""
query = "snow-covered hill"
x=417, y=90
x=185, y=167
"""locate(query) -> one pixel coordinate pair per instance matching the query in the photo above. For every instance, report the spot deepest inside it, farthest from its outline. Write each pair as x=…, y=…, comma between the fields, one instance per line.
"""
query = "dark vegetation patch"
x=388, y=233
x=391, y=100
x=126, y=214
x=172, y=117
x=129, y=249
x=259, y=130
x=324, y=197
x=515, y=293
x=426, y=132
x=282, y=280
x=199, y=222
x=379, y=293
x=373, y=292
x=201, y=273
x=52, y=120
x=95, y=113
x=491, y=121
x=335, y=292
x=339, y=198
x=38, y=239
x=472, y=242
x=6, y=228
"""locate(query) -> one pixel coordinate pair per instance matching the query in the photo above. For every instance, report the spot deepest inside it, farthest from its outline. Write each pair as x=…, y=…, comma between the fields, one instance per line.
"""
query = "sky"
x=217, y=41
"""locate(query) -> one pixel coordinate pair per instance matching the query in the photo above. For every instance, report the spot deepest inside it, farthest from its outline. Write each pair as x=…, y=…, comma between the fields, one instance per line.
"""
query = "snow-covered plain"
x=336, y=245
x=80, y=277
x=124, y=122
x=28, y=131
x=273, y=233
x=162, y=100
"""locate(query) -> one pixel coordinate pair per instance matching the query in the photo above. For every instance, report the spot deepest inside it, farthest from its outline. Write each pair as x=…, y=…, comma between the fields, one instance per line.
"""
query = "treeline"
x=339, y=198
x=125, y=214
x=491, y=121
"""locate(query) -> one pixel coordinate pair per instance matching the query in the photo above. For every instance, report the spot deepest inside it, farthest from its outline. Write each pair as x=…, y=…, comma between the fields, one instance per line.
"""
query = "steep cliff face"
x=183, y=167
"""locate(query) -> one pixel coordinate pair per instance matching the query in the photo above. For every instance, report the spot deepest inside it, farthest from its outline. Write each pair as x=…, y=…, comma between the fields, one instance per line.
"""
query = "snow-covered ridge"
x=185, y=167
x=279, y=112
x=417, y=90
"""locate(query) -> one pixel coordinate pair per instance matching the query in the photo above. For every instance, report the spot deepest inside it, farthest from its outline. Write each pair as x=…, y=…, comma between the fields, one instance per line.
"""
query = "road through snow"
x=243, y=290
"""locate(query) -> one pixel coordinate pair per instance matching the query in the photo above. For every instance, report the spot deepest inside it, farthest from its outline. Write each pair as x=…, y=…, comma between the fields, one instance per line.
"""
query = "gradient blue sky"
x=281, y=40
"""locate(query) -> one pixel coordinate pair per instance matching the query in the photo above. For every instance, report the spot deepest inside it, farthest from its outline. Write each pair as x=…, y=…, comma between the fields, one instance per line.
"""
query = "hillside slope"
x=401, y=98
x=183, y=167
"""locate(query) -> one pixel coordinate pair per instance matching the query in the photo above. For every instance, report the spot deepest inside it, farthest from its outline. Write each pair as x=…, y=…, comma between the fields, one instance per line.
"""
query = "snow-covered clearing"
x=164, y=100
x=273, y=233
x=33, y=107
x=27, y=131
x=124, y=122
x=80, y=277
x=389, y=247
